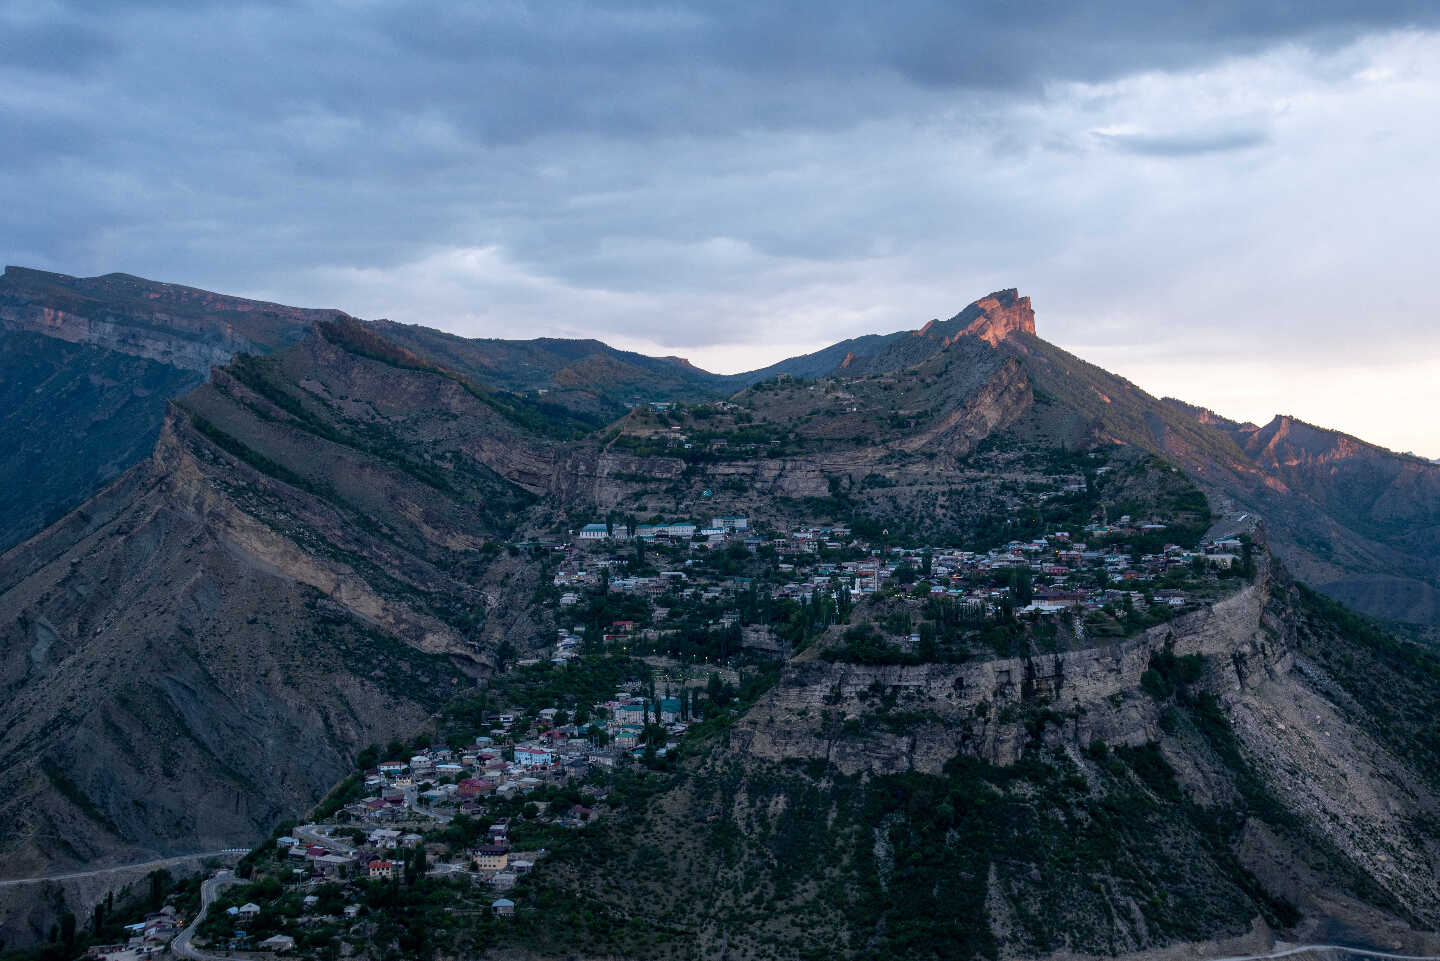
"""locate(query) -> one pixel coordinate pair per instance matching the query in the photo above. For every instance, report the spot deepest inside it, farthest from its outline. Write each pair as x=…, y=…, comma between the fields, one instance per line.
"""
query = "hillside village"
x=663, y=627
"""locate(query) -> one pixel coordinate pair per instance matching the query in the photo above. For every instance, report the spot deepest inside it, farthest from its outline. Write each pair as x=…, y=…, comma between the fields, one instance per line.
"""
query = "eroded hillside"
x=1221, y=776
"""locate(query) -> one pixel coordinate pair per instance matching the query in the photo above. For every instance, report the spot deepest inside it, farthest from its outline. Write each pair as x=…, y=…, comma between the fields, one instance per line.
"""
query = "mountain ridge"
x=331, y=539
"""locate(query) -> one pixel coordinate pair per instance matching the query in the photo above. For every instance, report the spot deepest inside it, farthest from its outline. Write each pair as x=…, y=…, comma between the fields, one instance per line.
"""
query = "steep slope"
x=591, y=379
x=308, y=562
x=1238, y=771
x=1349, y=517
x=1390, y=499
x=88, y=365
x=887, y=445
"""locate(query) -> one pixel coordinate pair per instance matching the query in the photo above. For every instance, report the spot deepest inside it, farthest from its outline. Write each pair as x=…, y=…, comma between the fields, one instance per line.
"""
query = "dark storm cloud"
x=696, y=175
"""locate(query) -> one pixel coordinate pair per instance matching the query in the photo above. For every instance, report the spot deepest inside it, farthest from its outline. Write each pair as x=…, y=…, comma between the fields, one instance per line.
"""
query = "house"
x=594, y=532
x=382, y=870
x=352, y=910
x=631, y=712
x=502, y=908
x=492, y=857
x=469, y=787
x=249, y=910
x=279, y=943
x=331, y=865
x=533, y=756
x=730, y=523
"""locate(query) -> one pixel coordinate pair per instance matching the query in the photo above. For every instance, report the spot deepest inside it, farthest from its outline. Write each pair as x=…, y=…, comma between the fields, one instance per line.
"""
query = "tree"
x=159, y=885
x=1022, y=585
x=67, y=930
x=504, y=653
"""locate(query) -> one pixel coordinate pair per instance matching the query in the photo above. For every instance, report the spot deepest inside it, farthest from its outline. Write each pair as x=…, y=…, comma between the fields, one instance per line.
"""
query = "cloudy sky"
x=1234, y=202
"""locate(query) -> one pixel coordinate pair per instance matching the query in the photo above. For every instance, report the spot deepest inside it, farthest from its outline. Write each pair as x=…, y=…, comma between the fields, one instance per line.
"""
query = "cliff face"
x=1319, y=751
x=1085, y=804
x=88, y=367
x=1097, y=692
x=1001, y=314
x=179, y=326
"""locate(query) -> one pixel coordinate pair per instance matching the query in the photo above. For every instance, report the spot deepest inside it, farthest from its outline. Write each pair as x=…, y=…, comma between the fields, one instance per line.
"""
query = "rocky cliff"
x=178, y=326
x=1210, y=782
x=89, y=365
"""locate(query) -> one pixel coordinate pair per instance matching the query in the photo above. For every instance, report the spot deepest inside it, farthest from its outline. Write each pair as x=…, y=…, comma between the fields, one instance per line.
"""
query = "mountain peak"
x=992, y=318
x=1000, y=314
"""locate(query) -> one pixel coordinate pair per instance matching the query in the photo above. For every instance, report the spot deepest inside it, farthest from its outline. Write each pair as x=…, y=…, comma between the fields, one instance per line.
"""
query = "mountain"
x=89, y=365
x=331, y=538
x=1349, y=517
x=304, y=565
x=1378, y=552
x=991, y=318
x=92, y=362
x=588, y=378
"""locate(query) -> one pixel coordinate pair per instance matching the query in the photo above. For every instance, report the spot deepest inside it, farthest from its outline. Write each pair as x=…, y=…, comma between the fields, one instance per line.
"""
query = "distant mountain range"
x=245, y=540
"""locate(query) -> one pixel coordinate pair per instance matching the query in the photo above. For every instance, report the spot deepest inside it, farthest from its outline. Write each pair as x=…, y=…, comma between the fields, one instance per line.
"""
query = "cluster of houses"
x=146, y=937
x=720, y=529
x=1067, y=572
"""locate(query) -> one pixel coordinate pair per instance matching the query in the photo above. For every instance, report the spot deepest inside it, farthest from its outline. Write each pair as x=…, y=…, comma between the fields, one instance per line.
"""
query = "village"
x=658, y=626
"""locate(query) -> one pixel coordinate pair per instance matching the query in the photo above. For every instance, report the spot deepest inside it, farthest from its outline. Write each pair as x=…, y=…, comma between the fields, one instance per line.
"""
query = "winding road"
x=181, y=945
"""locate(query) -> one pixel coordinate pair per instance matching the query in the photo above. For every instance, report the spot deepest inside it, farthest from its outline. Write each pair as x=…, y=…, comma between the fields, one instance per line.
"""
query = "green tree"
x=1022, y=585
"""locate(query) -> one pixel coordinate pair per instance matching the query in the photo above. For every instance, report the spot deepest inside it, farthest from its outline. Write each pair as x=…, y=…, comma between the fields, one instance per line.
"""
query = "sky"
x=1234, y=202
